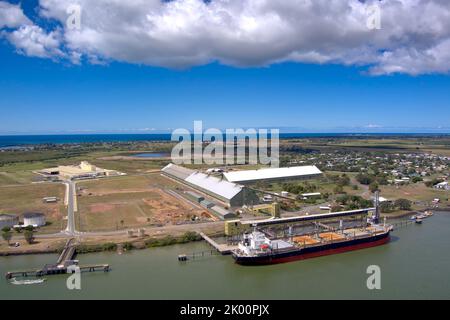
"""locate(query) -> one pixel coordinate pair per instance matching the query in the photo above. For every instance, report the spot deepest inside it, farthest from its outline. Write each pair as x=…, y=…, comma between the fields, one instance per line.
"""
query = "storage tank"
x=35, y=219
x=8, y=220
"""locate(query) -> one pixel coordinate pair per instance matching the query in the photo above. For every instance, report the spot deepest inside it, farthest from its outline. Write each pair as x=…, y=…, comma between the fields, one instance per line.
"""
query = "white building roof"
x=311, y=194
x=271, y=173
x=220, y=187
x=177, y=171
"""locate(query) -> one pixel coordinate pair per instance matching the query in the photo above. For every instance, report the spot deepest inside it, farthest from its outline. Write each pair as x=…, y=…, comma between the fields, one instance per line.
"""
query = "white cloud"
x=11, y=16
x=33, y=41
x=414, y=36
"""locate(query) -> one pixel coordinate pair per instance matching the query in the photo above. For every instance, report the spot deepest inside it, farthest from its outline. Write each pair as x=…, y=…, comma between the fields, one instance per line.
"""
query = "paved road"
x=70, y=230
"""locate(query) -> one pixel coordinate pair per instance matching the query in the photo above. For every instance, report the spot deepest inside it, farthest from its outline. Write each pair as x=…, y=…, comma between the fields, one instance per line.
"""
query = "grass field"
x=414, y=192
x=28, y=198
x=17, y=167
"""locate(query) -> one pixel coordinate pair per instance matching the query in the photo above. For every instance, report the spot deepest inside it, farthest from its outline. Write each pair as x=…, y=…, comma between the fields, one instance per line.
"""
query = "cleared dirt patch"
x=103, y=208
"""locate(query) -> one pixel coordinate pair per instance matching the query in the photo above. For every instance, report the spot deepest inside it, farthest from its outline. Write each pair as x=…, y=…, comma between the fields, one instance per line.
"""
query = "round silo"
x=35, y=219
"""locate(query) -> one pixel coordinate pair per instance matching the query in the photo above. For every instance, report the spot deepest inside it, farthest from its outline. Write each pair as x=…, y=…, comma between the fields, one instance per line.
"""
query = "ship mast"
x=376, y=218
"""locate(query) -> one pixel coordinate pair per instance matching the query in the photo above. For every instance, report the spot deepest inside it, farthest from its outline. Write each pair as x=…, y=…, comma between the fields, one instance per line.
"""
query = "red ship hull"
x=314, y=252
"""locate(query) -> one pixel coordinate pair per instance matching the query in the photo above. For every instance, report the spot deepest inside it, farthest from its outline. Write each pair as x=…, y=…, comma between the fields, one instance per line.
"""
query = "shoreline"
x=92, y=246
x=110, y=246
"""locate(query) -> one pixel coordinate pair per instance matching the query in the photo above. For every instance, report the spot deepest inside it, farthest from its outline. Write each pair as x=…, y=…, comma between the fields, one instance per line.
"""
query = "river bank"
x=100, y=244
x=92, y=246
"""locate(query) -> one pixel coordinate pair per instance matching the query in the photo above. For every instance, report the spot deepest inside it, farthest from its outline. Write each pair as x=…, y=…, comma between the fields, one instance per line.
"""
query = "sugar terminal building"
x=230, y=194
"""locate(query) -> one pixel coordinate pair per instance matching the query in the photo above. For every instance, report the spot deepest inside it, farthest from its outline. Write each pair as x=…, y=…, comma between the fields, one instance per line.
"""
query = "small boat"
x=428, y=213
x=26, y=282
x=419, y=221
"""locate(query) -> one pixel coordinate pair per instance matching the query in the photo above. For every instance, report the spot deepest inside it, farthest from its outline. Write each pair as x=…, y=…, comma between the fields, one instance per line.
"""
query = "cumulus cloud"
x=414, y=37
x=11, y=16
x=33, y=41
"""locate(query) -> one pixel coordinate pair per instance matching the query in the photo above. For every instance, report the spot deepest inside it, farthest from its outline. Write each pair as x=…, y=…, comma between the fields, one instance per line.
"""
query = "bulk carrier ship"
x=257, y=248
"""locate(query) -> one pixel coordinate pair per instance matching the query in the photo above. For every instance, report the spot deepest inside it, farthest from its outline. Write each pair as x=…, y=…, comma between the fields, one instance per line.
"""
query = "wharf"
x=65, y=260
x=221, y=248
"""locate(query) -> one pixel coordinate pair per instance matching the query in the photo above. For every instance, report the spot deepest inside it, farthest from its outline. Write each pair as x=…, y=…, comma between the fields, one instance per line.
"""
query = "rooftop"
x=271, y=173
x=7, y=216
x=218, y=186
x=177, y=171
x=29, y=215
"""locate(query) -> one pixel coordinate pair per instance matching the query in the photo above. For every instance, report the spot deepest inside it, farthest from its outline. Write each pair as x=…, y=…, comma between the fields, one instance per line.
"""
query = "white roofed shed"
x=248, y=176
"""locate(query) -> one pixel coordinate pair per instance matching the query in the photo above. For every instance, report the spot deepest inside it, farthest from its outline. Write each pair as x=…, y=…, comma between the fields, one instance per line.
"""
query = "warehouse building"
x=231, y=194
x=177, y=172
x=222, y=213
x=8, y=220
x=194, y=196
x=273, y=174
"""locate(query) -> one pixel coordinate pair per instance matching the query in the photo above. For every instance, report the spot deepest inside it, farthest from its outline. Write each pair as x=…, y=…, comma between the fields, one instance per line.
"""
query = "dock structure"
x=197, y=255
x=65, y=260
x=221, y=248
x=68, y=252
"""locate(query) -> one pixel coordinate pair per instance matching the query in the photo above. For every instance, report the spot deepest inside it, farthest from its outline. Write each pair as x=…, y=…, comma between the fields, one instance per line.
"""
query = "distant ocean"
x=23, y=140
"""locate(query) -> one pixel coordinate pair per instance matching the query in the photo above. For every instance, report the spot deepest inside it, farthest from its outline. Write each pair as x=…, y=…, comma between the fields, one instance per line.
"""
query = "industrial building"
x=8, y=220
x=231, y=194
x=222, y=213
x=84, y=170
x=218, y=211
x=34, y=219
x=194, y=196
x=273, y=174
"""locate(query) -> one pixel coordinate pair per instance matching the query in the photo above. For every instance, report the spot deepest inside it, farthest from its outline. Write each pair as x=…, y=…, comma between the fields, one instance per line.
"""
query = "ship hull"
x=312, y=252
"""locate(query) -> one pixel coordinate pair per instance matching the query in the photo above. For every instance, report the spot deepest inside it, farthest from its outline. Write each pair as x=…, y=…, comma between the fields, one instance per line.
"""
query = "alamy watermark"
x=373, y=13
x=73, y=282
x=73, y=21
x=234, y=146
x=374, y=280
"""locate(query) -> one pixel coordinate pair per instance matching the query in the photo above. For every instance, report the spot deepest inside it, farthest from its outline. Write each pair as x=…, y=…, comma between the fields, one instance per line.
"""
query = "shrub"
x=29, y=236
x=403, y=204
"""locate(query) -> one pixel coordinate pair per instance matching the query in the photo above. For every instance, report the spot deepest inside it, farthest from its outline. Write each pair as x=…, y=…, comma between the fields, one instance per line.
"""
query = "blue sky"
x=45, y=95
